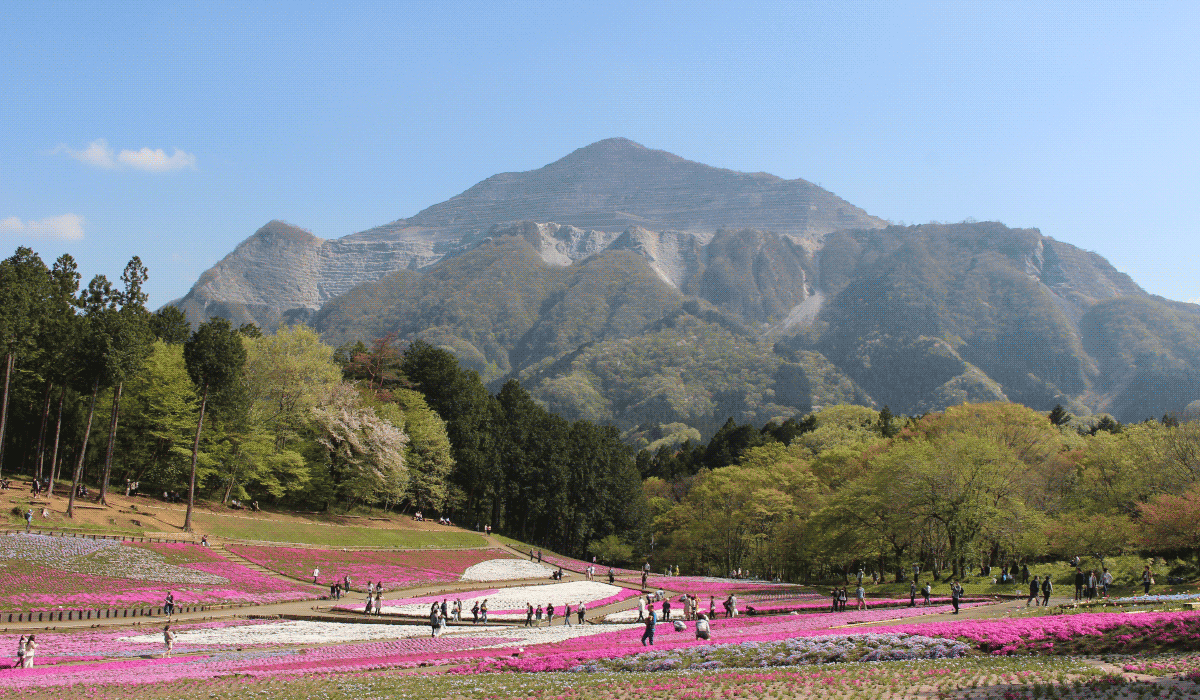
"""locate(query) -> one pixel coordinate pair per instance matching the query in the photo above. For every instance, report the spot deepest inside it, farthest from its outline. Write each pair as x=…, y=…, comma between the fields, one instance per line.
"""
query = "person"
x=1047, y=587
x=475, y=613
x=1025, y=573
x=458, y=609
x=28, y=518
x=1092, y=584
x=916, y=572
x=1079, y=583
x=333, y=591
x=1034, y=586
x=581, y=612
x=1106, y=580
x=203, y=540
x=733, y=601
x=611, y=579
x=537, y=615
x=316, y=573
x=539, y=556
x=433, y=620
x=666, y=608
x=926, y=591
x=169, y=604
x=1147, y=579
x=370, y=601
x=712, y=606
x=649, y=633
x=379, y=601
x=912, y=594
x=529, y=614
x=641, y=608
x=483, y=611
x=549, y=614
x=530, y=555
x=567, y=614
x=861, y=595
x=346, y=582
x=168, y=640
x=702, y=628
x=445, y=609
x=956, y=593
x=20, y=662
x=643, y=580
x=30, y=652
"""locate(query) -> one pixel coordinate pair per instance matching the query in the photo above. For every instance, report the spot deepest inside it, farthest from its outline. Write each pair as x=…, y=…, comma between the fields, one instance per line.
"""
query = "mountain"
x=629, y=286
x=599, y=193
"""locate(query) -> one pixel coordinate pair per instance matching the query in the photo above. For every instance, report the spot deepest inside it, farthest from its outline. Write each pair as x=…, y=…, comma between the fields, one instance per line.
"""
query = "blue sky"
x=173, y=133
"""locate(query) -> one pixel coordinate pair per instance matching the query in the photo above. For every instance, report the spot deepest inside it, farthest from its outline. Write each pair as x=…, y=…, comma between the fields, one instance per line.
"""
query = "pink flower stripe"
x=779, y=606
x=400, y=653
x=398, y=569
x=1005, y=636
x=29, y=586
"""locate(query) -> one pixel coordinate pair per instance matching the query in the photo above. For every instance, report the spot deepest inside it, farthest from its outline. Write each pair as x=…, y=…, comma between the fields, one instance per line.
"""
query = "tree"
x=131, y=342
x=1059, y=416
x=170, y=325
x=215, y=357
x=99, y=327
x=365, y=451
x=1168, y=522
x=610, y=550
x=161, y=408
x=23, y=283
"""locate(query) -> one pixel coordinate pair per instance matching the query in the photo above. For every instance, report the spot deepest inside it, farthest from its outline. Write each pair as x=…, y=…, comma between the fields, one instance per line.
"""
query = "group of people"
x=840, y=598
x=1091, y=585
x=533, y=616
x=440, y=614
x=419, y=516
x=689, y=603
x=703, y=629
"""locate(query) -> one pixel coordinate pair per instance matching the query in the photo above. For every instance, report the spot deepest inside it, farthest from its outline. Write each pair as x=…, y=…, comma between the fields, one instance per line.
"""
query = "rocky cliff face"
x=284, y=273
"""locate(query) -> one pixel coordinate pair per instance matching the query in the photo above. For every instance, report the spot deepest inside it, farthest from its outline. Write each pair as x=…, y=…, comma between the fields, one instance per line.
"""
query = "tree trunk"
x=41, y=441
x=228, y=490
x=112, y=438
x=57, y=431
x=87, y=431
x=187, y=519
x=8, y=365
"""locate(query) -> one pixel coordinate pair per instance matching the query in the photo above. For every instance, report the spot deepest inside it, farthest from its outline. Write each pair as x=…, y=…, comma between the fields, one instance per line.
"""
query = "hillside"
x=631, y=286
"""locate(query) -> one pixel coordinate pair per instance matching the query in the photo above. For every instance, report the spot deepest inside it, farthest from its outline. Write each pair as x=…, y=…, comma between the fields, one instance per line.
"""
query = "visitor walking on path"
x=1106, y=580
x=861, y=595
x=956, y=593
x=912, y=594
x=567, y=615
x=28, y=518
x=1047, y=587
x=926, y=591
x=20, y=662
x=1034, y=586
x=169, y=604
x=1147, y=579
x=168, y=640
x=581, y=612
x=316, y=573
x=651, y=620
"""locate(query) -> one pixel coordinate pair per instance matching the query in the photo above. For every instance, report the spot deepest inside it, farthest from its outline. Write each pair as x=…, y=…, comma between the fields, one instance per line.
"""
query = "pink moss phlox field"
x=134, y=665
x=397, y=569
x=572, y=652
x=28, y=586
x=1010, y=635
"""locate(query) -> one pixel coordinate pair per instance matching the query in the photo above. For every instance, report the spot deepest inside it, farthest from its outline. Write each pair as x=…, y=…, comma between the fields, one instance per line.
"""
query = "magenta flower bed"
x=400, y=569
x=1034, y=633
x=27, y=586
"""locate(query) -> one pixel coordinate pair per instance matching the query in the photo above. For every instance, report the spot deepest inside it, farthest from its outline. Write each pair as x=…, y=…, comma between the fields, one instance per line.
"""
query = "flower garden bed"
x=400, y=569
x=1085, y=633
x=47, y=573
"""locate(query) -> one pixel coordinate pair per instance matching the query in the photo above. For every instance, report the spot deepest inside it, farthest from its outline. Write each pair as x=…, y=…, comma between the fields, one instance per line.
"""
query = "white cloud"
x=67, y=227
x=156, y=160
x=101, y=155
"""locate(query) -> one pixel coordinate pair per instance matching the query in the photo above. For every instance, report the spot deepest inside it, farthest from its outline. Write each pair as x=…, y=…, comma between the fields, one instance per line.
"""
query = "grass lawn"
x=330, y=535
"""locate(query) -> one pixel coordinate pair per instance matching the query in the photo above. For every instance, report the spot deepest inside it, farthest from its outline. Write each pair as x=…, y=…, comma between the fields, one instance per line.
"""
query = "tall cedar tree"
x=24, y=281
x=215, y=357
x=100, y=325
